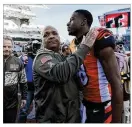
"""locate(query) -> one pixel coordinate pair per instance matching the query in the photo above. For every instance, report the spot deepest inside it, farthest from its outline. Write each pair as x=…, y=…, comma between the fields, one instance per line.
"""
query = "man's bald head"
x=49, y=27
x=51, y=38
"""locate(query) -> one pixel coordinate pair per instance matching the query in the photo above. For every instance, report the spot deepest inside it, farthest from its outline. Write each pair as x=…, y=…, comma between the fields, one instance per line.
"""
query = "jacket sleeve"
x=23, y=82
x=49, y=67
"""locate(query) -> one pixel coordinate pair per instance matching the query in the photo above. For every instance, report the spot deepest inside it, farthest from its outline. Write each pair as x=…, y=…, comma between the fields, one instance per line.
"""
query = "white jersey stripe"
x=103, y=84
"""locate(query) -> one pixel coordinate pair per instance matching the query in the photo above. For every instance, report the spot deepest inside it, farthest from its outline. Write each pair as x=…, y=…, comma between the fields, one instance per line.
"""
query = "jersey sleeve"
x=104, y=39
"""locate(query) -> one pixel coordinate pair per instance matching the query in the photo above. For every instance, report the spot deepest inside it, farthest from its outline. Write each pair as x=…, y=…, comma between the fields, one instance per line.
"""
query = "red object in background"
x=122, y=21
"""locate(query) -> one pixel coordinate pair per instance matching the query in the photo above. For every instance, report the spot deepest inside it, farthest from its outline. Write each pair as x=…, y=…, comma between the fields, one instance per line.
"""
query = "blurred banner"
x=115, y=19
x=118, y=20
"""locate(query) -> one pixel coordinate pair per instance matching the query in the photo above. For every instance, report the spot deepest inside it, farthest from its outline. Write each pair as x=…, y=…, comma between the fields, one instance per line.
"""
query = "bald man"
x=56, y=90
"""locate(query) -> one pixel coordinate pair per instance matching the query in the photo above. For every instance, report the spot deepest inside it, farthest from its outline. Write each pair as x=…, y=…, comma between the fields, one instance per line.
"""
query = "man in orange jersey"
x=99, y=73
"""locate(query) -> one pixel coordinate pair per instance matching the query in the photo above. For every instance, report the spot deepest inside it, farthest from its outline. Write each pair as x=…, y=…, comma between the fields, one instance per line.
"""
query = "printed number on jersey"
x=83, y=76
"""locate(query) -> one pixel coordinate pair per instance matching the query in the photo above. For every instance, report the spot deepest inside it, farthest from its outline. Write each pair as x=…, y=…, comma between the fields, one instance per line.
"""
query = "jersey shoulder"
x=104, y=39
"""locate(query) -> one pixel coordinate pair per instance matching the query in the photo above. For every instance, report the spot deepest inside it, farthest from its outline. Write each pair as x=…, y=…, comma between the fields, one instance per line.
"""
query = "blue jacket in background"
x=29, y=73
x=28, y=69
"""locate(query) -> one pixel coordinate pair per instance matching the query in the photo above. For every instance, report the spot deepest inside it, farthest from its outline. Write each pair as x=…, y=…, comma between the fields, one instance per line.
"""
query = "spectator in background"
x=14, y=74
x=120, y=46
x=15, y=53
x=123, y=62
x=19, y=53
x=66, y=50
x=27, y=59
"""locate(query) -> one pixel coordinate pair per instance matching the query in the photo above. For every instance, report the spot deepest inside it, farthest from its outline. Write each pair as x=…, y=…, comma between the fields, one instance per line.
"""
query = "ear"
x=84, y=21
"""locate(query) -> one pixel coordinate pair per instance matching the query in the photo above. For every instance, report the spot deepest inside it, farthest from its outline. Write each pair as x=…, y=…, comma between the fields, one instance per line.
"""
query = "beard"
x=72, y=32
x=7, y=53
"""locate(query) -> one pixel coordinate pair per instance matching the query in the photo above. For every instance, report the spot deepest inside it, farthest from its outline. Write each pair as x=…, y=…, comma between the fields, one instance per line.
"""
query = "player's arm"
x=111, y=69
x=104, y=50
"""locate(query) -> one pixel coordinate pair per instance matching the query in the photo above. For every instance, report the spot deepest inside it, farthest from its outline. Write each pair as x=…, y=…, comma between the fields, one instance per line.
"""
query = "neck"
x=54, y=50
x=79, y=37
x=82, y=32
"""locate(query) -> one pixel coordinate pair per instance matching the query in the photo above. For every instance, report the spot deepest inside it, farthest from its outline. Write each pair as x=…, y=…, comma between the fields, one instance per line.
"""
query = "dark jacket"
x=56, y=90
x=14, y=74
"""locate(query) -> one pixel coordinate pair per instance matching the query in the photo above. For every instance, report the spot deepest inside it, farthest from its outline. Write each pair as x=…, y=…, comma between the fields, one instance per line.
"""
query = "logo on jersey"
x=106, y=36
x=103, y=33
